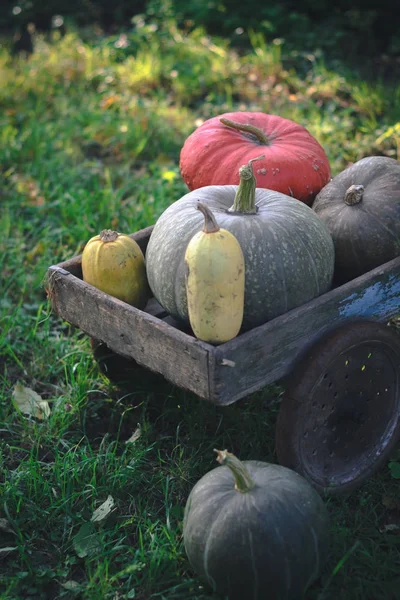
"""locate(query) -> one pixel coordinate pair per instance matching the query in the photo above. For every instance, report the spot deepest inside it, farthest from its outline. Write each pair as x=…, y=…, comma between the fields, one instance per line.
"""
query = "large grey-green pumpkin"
x=361, y=208
x=288, y=251
x=254, y=530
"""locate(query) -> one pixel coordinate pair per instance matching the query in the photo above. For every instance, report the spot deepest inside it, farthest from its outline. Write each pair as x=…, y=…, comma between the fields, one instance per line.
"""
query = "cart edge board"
x=131, y=332
x=269, y=352
x=231, y=371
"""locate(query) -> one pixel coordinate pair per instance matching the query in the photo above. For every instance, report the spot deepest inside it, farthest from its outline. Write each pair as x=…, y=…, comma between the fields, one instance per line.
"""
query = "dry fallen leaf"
x=103, y=510
x=6, y=551
x=135, y=435
x=71, y=585
x=394, y=527
x=29, y=402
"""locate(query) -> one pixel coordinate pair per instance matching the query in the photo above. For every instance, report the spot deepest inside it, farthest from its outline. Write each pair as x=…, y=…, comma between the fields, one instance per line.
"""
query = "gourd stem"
x=210, y=223
x=247, y=128
x=354, y=195
x=108, y=235
x=243, y=481
x=245, y=198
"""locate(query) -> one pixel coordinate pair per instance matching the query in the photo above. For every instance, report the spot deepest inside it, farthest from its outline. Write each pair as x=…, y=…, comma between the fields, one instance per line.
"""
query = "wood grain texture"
x=225, y=373
x=269, y=352
x=131, y=332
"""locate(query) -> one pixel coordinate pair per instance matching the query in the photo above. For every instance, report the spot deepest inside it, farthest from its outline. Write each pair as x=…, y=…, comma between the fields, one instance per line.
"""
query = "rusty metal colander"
x=340, y=415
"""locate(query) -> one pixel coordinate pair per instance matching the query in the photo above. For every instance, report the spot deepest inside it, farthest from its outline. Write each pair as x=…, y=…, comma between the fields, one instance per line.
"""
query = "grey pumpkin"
x=288, y=251
x=255, y=530
x=361, y=208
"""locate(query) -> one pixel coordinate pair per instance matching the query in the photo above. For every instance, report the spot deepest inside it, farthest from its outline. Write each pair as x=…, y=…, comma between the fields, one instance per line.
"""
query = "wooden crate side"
x=74, y=265
x=268, y=353
x=131, y=332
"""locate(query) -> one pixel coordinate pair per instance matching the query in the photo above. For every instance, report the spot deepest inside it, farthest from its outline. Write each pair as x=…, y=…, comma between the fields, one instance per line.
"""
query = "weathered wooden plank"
x=267, y=353
x=74, y=265
x=131, y=332
x=231, y=371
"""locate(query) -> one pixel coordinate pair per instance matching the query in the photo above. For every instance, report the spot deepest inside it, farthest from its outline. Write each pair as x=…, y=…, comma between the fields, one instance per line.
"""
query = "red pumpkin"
x=294, y=164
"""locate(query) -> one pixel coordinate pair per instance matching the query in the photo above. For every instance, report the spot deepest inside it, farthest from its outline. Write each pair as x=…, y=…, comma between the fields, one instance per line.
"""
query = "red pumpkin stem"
x=247, y=128
x=108, y=235
x=243, y=481
x=354, y=195
x=210, y=223
x=245, y=198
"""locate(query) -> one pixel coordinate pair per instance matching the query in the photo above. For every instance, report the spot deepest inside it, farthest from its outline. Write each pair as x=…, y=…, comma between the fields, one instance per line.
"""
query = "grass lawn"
x=90, y=134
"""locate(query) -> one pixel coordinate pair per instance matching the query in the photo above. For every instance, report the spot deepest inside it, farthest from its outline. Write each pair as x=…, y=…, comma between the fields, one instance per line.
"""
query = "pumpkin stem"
x=243, y=481
x=354, y=194
x=245, y=198
x=247, y=128
x=108, y=235
x=210, y=223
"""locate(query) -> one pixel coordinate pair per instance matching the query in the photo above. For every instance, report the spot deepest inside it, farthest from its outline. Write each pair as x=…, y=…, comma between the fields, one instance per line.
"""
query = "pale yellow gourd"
x=114, y=263
x=215, y=278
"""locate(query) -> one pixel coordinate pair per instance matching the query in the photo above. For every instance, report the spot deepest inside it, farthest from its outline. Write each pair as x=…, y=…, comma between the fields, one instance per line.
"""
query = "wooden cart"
x=339, y=418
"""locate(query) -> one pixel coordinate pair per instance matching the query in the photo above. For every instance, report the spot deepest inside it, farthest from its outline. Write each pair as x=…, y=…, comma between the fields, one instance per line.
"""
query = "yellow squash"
x=114, y=263
x=215, y=275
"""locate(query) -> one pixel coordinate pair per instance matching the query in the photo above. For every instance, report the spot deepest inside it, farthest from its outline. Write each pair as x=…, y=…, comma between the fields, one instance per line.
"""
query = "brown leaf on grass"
x=390, y=528
x=103, y=510
x=29, y=402
x=109, y=101
x=391, y=521
x=135, y=435
x=72, y=586
x=28, y=187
